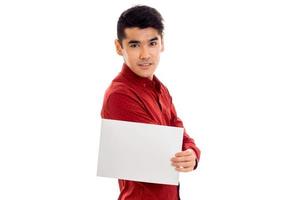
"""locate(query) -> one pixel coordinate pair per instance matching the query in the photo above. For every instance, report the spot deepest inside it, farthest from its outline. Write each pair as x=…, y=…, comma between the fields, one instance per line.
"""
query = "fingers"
x=184, y=164
x=188, y=169
x=184, y=161
x=184, y=153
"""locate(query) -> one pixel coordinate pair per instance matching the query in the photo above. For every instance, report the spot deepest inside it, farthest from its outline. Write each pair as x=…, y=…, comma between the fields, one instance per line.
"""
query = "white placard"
x=138, y=151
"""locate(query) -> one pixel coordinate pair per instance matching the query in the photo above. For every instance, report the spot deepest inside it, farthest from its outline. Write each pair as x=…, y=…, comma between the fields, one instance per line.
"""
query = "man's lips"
x=144, y=64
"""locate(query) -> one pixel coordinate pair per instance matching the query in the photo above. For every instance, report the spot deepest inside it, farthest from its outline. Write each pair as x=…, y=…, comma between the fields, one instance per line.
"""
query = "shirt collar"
x=140, y=81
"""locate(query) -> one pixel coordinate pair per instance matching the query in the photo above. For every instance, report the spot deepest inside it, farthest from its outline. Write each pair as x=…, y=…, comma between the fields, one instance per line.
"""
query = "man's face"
x=141, y=50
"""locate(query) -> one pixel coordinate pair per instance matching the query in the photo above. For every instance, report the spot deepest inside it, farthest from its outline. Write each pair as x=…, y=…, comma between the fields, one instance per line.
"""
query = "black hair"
x=139, y=16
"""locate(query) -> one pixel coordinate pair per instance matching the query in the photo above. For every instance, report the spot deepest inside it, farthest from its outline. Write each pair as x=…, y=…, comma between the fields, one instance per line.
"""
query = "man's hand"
x=184, y=161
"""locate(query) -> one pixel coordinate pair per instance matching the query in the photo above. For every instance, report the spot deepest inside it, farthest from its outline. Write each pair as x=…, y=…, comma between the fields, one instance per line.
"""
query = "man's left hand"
x=184, y=161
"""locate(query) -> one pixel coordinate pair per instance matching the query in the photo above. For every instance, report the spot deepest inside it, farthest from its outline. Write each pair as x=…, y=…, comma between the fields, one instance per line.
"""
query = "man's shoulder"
x=118, y=86
x=119, y=95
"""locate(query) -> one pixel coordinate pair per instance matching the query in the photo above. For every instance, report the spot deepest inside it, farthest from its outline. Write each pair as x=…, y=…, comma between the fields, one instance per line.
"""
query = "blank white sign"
x=138, y=151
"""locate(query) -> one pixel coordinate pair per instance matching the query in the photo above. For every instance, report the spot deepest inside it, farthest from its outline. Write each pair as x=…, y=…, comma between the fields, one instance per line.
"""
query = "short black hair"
x=139, y=16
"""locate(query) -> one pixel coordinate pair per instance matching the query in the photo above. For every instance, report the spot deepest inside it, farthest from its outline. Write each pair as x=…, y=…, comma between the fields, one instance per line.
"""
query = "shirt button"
x=144, y=84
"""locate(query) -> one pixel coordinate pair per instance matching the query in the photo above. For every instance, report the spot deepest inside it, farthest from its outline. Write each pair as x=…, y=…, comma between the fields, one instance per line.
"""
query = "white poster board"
x=138, y=151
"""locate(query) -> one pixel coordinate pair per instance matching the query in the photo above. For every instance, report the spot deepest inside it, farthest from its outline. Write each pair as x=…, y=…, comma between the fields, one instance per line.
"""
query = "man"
x=137, y=95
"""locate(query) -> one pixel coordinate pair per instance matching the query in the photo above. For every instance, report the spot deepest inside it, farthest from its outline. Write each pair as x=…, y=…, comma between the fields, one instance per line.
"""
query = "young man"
x=137, y=95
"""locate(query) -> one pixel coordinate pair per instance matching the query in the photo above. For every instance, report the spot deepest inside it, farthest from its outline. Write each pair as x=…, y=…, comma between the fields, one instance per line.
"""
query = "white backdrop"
x=232, y=68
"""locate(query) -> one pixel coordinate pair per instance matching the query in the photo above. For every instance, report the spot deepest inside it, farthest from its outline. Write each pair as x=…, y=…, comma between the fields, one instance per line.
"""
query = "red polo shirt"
x=137, y=99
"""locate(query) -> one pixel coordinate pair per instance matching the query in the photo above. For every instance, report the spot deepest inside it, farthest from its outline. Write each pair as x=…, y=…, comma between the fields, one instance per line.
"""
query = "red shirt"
x=137, y=99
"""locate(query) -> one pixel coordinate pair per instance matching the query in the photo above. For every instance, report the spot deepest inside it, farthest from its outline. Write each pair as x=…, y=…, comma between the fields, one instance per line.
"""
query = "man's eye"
x=133, y=45
x=153, y=43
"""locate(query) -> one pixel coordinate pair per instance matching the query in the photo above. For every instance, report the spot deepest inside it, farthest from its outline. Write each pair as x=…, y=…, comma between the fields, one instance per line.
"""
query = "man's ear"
x=118, y=47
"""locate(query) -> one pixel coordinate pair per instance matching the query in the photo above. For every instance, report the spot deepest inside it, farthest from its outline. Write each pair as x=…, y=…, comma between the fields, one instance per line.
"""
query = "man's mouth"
x=144, y=64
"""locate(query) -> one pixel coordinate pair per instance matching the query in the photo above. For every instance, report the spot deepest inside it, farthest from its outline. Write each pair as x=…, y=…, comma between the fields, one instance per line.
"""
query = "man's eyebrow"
x=137, y=42
x=133, y=42
x=153, y=39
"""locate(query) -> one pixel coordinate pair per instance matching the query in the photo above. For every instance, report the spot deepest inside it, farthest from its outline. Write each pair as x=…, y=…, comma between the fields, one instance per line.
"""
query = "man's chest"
x=158, y=105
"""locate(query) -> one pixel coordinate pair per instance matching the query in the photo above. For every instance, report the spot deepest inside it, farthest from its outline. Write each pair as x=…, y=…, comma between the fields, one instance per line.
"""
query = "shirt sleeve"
x=188, y=142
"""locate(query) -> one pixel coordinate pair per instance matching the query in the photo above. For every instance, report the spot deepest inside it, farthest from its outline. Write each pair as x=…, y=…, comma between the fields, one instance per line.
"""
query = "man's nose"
x=144, y=53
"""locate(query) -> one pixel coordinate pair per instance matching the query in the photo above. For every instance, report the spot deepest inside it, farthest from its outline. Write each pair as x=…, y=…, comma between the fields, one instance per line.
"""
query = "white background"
x=232, y=68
